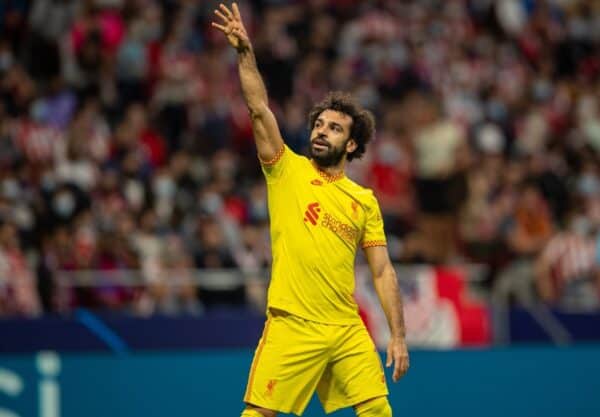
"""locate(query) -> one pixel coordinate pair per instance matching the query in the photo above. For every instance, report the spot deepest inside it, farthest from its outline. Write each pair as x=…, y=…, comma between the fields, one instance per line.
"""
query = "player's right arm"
x=267, y=136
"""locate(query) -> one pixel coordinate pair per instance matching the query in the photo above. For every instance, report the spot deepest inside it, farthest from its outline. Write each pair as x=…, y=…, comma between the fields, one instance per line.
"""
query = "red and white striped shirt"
x=570, y=256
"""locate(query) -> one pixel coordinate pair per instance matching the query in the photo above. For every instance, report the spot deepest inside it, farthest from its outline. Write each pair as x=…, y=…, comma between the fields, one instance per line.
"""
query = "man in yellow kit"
x=314, y=338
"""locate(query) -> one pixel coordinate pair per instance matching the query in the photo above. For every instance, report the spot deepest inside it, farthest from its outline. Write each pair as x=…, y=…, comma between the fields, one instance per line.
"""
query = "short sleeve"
x=374, y=234
x=279, y=165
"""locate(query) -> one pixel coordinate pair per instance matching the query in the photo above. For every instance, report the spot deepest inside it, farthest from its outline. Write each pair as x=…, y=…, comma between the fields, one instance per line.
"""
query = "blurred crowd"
x=126, y=145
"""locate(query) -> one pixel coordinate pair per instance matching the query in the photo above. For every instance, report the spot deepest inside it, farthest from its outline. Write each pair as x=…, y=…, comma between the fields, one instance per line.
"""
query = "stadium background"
x=134, y=246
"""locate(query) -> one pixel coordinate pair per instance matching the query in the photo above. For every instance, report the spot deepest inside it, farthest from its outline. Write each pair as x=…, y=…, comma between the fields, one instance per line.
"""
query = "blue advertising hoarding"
x=533, y=381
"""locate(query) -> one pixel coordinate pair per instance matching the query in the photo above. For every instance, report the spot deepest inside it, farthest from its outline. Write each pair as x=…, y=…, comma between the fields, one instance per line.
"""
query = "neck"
x=332, y=171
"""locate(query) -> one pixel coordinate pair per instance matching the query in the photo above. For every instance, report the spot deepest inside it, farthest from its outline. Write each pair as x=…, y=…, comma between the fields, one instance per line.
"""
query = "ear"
x=351, y=145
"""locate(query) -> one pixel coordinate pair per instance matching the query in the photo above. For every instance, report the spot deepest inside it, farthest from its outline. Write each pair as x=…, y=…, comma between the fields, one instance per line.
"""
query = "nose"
x=321, y=130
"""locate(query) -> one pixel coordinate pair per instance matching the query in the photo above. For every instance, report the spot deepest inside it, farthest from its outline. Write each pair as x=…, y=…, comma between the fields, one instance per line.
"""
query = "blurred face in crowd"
x=8, y=236
x=136, y=116
x=330, y=138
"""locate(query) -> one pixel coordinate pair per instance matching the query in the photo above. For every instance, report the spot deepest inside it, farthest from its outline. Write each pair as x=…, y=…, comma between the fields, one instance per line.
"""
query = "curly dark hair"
x=363, y=122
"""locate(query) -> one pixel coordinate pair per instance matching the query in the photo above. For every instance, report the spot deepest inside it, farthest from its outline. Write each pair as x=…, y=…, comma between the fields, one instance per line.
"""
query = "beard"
x=327, y=157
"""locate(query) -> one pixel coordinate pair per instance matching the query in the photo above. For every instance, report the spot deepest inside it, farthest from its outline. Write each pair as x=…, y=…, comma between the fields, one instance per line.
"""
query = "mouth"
x=320, y=144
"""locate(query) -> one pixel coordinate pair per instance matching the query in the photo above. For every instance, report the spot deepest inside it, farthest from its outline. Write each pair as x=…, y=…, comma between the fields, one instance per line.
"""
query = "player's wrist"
x=398, y=338
x=244, y=48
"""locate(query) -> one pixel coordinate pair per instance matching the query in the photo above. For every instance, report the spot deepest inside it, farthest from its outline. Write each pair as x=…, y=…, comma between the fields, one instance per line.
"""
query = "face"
x=330, y=138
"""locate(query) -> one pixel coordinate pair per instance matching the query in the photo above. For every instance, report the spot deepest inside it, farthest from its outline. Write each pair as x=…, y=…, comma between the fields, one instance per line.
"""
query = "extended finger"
x=236, y=11
x=397, y=373
x=404, y=364
x=222, y=16
x=226, y=11
x=388, y=360
x=220, y=27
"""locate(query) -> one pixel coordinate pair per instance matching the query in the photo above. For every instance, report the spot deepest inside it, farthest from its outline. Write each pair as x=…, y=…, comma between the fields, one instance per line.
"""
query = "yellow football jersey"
x=317, y=224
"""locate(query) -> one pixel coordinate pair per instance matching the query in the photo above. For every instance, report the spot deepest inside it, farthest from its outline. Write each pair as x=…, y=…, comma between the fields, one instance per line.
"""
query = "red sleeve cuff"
x=371, y=243
x=275, y=159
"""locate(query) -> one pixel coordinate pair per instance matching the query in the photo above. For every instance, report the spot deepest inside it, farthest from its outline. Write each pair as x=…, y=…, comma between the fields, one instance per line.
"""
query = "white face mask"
x=164, y=187
x=212, y=203
x=134, y=192
x=24, y=217
x=11, y=188
x=64, y=203
x=588, y=184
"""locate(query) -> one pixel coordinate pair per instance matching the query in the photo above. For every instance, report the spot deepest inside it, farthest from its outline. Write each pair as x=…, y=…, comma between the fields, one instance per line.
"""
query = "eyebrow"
x=337, y=124
x=320, y=119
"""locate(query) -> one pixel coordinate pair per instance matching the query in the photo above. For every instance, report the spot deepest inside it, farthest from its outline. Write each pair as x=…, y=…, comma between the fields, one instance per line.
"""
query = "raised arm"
x=388, y=291
x=264, y=125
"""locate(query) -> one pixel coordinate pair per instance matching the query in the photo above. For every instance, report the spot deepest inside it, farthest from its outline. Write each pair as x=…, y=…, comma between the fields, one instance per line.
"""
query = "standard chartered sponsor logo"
x=343, y=230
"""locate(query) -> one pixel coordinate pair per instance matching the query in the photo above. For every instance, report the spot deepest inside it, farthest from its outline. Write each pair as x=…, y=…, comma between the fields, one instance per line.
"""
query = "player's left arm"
x=388, y=291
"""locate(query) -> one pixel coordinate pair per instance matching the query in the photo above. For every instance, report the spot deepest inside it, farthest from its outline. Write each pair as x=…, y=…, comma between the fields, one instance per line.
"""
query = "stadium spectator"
x=567, y=272
x=110, y=110
x=18, y=292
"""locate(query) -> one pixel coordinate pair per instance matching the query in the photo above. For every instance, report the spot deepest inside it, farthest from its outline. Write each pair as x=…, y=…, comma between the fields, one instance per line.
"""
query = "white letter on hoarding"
x=48, y=364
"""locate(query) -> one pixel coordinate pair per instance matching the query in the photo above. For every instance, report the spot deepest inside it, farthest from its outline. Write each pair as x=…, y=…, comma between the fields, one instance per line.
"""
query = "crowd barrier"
x=87, y=331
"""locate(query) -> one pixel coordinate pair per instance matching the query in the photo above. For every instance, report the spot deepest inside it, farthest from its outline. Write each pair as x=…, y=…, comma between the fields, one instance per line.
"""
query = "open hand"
x=397, y=352
x=232, y=26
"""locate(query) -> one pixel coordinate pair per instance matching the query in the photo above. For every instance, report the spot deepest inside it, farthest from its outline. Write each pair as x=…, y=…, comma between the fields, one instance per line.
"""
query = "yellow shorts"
x=296, y=356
